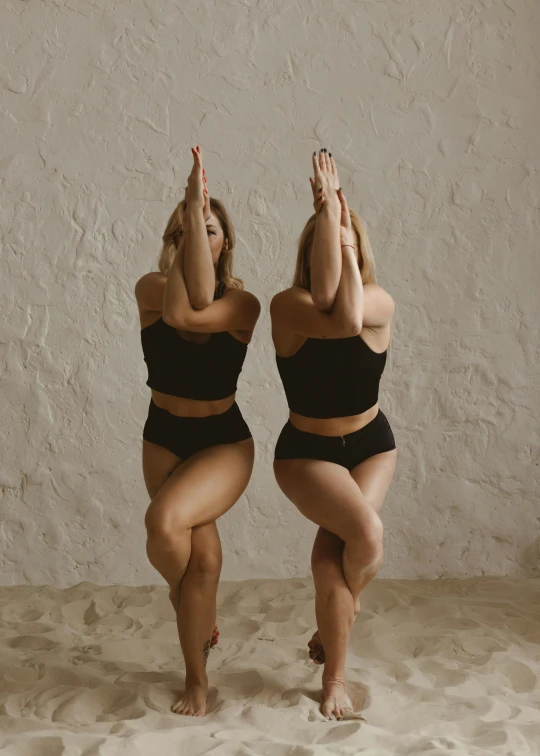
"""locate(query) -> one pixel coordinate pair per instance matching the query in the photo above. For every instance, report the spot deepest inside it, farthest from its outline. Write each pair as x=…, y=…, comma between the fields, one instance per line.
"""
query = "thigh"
x=326, y=494
x=157, y=463
x=204, y=486
x=373, y=477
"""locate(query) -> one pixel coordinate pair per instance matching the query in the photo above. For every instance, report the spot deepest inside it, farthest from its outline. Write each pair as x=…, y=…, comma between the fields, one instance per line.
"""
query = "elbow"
x=174, y=319
x=354, y=327
x=323, y=301
x=201, y=304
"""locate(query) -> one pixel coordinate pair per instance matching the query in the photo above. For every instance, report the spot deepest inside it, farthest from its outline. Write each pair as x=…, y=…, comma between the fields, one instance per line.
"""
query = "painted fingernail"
x=329, y=154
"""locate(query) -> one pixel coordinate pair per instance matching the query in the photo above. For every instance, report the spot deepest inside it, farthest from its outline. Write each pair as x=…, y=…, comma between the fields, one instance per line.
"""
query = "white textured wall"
x=431, y=110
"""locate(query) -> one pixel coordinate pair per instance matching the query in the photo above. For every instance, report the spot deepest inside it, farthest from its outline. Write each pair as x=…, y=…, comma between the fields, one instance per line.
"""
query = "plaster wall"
x=431, y=110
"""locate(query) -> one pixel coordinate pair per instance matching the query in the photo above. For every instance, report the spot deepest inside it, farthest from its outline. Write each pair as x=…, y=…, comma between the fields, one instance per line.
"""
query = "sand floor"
x=435, y=667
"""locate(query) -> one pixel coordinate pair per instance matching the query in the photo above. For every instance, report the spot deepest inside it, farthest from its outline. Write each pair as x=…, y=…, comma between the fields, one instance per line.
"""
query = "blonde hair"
x=175, y=229
x=366, y=259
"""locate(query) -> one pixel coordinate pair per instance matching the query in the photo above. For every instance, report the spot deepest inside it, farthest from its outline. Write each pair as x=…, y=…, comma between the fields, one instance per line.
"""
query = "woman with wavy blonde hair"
x=336, y=455
x=198, y=453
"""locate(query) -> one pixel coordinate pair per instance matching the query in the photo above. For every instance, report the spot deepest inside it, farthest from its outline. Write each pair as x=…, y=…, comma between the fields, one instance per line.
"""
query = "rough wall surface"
x=431, y=111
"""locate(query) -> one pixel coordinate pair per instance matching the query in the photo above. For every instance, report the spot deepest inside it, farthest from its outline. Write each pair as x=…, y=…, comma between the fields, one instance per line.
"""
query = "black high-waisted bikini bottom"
x=349, y=450
x=184, y=436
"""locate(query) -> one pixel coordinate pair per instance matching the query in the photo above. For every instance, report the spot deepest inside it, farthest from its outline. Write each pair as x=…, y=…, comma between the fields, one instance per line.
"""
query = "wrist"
x=331, y=212
x=346, y=237
x=193, y=213
x=349, y=250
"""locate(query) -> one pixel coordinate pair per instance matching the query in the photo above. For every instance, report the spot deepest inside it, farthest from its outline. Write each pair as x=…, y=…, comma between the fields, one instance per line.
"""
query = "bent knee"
x=369, y=533
x=163, y=524
x=205, y=565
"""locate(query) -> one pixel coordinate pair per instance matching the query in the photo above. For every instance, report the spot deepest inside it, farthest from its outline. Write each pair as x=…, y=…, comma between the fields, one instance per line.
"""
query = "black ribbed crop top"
x=332, y=377
x=178, y=367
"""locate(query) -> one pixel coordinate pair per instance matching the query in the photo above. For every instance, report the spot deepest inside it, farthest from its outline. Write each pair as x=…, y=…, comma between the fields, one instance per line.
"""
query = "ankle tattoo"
x=206, y=650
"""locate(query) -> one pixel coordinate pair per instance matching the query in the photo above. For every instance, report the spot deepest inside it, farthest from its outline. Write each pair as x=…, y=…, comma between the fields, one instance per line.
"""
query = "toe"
x=180, y=707
x=327, y=709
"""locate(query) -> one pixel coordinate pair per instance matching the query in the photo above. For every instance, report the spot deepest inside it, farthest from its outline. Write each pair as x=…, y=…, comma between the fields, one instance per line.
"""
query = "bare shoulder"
x=380, y=297
x=245, y=299
x=149, y=291
x=375, y=290
x=287, y=296
x=250, y=307
x=148, y=282
x=378, y=307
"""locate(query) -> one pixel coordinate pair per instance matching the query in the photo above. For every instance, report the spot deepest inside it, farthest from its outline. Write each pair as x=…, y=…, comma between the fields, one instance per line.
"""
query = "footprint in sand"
x=31, y=643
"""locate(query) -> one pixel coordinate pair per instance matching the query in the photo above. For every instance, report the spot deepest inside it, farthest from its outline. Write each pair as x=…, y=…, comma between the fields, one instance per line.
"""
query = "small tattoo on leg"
x=206, y=651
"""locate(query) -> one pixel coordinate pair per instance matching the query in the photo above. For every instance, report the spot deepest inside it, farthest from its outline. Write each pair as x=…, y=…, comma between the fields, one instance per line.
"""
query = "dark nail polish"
x=329, y=154
x=315, y=152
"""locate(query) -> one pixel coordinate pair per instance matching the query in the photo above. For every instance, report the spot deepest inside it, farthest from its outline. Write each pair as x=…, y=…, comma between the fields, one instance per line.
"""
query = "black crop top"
x=184, y=368
x=332, y=377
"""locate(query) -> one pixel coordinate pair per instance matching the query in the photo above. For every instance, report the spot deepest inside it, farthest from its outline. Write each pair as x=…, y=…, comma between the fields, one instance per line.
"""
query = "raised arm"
x=294, y=314
x=356, y=305
x=236, y=310
x=325, y=261
x=200, y=277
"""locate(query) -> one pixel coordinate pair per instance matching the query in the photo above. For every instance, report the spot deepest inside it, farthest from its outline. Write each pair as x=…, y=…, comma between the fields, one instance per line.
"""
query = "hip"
x=348, y=449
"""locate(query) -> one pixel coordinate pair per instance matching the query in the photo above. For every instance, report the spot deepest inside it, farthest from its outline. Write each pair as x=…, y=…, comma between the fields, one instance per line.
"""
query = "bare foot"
x=316, y=651
x=192, y=703
x=335, y=699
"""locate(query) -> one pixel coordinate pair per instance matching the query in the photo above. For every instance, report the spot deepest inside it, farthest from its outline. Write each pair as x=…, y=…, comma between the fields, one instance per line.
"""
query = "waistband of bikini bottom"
x=234, y=409
x=354, y=435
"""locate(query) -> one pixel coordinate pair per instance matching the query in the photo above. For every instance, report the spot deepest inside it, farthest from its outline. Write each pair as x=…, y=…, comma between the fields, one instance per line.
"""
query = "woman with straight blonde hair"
x=336, y=455
x=198, y=453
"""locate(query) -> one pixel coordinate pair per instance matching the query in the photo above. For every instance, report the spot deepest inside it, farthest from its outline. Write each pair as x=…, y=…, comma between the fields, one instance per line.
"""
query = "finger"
x=327, y=166
x=326, y=160
x=316, y=166
x=314, y=188
x=197, y=164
